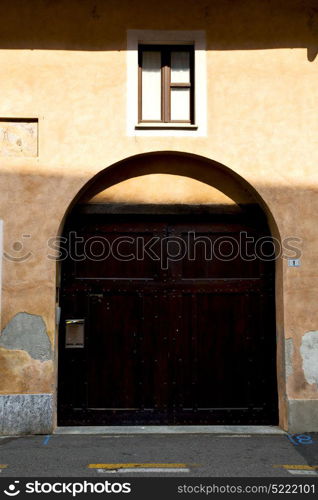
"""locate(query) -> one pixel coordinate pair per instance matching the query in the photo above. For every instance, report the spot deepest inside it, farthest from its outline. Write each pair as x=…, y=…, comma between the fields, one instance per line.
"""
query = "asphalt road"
x=208, y=455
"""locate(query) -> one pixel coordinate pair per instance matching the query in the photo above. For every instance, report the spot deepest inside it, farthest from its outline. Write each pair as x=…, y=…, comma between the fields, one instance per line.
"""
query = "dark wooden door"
x=185, y=340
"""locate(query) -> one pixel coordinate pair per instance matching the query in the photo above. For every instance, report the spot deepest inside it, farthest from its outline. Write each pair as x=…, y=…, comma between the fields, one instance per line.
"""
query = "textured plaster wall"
x=25, y=356
x=64, y=63
x=309, y=353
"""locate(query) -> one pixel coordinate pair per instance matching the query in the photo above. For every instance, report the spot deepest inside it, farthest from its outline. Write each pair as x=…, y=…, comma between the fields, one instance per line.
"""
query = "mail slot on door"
x=74, y=333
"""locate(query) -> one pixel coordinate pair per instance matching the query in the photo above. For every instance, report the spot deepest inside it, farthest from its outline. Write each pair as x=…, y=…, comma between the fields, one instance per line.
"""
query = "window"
x=166, y=84
x=153, y=123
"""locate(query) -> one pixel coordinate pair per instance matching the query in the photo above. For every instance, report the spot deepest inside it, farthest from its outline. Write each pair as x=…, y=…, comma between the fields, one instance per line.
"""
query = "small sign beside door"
x=74, y=333
x=293, y=262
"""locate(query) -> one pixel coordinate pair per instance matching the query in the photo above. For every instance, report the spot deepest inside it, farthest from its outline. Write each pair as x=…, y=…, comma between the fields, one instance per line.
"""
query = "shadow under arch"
x=211, y=173
x=190, y=165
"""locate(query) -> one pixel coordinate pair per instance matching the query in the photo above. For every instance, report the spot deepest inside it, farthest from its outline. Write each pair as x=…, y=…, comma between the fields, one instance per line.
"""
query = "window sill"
x=166, y=126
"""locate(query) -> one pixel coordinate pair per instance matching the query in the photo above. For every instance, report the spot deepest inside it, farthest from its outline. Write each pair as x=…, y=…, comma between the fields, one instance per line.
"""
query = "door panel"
x=112, y=351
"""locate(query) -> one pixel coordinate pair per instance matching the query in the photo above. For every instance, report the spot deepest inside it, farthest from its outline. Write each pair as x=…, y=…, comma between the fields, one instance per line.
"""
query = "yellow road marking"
x=298, y=467
x=135, y=465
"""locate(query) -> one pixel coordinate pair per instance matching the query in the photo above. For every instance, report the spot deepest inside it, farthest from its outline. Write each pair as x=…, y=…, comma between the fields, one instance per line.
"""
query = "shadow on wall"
x=100, y=25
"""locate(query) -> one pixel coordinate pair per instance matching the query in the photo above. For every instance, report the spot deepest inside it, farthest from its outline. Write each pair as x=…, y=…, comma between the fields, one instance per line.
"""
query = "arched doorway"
x=167, y=299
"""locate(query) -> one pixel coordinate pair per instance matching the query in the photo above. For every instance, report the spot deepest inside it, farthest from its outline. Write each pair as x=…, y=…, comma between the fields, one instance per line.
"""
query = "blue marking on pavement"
x=46, y=439
x=297, y=439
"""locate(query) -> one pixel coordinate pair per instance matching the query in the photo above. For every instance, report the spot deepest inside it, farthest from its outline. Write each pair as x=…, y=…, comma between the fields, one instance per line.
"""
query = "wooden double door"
x=156, y=329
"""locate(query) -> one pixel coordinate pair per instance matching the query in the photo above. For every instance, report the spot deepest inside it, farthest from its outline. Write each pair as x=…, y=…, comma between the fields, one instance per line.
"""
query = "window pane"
x=180, y=104
x=180, y=67
x=151, y=85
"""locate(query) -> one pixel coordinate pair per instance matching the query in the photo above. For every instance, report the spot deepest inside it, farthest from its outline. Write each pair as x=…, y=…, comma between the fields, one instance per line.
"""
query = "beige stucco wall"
x=65, y=63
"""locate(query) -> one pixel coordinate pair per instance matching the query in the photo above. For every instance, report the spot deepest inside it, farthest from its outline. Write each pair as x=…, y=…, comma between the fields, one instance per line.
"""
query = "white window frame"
x=195, y=38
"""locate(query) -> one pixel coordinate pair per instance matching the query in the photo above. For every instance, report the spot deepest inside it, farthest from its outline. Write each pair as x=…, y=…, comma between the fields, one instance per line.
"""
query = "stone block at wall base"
x=34, y=413
x=302, y=415
x=26, y=414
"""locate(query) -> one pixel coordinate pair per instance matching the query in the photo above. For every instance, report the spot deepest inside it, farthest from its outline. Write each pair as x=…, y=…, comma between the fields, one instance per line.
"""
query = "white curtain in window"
x=180, y=103
x=151, y=85
x=180, y=67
